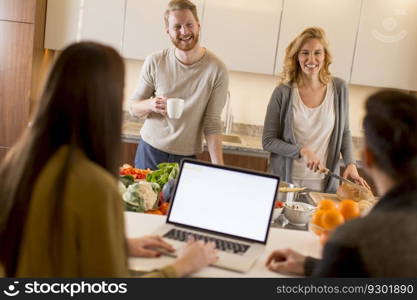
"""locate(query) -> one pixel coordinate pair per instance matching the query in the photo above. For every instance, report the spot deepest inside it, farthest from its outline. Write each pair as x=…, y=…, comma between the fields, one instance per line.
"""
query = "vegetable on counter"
x=141, y=196
x=147, y=195
x=127, y=180
x=165, y=172
x=127, y=169
x=279, y=204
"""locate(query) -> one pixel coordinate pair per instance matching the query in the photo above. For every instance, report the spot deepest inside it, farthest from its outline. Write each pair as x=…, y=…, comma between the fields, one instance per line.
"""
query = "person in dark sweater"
x=383, y=243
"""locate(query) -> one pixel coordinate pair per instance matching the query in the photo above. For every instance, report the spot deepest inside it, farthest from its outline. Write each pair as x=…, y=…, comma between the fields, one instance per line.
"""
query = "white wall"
x=250, y=95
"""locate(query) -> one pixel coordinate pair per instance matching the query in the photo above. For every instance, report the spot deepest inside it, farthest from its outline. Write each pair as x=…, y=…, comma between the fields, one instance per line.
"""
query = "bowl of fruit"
x=330, y=214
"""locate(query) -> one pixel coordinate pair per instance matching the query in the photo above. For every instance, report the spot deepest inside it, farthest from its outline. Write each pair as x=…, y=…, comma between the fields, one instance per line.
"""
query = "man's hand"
x=286, y=261
x=142, y=107
x=158, y=105
x=215, y=148
x=148, y=246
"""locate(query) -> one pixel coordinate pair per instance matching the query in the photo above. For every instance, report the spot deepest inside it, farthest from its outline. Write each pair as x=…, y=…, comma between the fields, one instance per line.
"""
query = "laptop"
x=230, y=206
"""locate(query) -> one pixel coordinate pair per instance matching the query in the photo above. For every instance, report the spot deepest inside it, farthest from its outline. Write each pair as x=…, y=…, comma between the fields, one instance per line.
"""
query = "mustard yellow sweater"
x=91, y=240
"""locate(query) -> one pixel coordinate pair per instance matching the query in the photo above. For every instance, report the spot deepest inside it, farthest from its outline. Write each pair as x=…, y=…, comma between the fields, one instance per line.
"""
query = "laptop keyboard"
x=222, y=245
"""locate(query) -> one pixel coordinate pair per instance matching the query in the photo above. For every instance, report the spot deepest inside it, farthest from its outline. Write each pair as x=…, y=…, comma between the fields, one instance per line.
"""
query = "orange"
x=326, y=204
x=316, y=229
x=332, y=218
x=316, y=218
x=349, y=209
x=324, y=236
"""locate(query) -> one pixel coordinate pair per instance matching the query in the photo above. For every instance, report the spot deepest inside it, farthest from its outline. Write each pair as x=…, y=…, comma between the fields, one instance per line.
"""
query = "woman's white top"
x=312, y=129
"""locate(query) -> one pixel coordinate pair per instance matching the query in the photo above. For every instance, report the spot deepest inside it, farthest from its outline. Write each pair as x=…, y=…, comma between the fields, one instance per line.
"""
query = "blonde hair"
x=291, y=70
x=174, y=5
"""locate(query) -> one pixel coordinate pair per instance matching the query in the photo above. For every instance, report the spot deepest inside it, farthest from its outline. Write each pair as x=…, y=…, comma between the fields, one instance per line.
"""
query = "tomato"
x=279, y=204
x=136, y=173
x=154, y=212
x=164, y=208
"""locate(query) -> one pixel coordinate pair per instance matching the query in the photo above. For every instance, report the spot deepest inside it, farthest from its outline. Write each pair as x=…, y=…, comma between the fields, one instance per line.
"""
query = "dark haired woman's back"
x=90, y=241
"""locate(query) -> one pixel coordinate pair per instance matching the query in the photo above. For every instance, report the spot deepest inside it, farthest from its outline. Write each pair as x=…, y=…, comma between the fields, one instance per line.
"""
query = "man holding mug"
x=189, y=72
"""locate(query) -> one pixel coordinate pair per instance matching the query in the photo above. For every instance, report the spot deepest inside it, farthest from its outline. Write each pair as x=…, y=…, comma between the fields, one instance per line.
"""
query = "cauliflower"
x=140, y=196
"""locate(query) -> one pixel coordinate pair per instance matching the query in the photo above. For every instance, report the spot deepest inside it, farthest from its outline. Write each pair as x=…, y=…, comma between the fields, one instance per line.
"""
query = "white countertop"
x=139, y=224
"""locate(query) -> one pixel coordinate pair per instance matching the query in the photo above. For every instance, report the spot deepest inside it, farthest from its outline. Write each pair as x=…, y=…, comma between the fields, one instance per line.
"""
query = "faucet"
x=229, y=116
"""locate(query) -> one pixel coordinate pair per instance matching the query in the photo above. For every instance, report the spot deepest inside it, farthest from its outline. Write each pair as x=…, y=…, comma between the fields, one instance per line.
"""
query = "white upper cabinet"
x=145, y=28
x=387, y=42
x=103, y=21
x=62, y=22
x=68, y=21
x=339, y=19
x=243, y=33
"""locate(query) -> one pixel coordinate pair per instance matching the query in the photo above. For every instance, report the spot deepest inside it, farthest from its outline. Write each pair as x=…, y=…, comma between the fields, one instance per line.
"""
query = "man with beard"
x=187, y=71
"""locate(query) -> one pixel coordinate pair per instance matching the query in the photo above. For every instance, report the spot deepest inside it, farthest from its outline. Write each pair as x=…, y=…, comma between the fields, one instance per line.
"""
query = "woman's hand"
x=352, y=173
x=148, y=246
x=313, y=162
x=195, y=256
x=286, y=261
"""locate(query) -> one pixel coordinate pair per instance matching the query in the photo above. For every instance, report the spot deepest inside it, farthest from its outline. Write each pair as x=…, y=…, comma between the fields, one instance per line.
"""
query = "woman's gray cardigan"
x=278, y=135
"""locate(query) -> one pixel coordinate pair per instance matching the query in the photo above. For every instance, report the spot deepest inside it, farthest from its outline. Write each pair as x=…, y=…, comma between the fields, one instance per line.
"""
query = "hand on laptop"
x=195, y=256
x=147, y=246
x=286, y=261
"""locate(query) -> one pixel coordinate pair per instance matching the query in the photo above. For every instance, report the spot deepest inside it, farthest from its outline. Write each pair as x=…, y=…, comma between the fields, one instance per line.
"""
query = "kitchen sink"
x=232, y=139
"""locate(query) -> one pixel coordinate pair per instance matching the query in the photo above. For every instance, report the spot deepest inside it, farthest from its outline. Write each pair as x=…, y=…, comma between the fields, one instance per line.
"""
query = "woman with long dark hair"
x=383, y=243
x=61, y=214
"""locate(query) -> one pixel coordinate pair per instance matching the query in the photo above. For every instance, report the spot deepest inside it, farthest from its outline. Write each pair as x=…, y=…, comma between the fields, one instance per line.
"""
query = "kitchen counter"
x=250, y=145
x=302, y=241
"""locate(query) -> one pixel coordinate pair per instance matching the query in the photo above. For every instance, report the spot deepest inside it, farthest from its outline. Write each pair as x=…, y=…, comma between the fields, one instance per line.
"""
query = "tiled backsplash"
x=244, y=129
x=237, y=128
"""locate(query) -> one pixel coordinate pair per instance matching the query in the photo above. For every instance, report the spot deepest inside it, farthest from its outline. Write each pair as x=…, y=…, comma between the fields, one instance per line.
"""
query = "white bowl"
x=276, y=213
x=298, y=213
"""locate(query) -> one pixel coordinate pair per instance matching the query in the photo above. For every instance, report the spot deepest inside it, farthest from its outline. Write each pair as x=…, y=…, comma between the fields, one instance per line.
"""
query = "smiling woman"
x=306, y=125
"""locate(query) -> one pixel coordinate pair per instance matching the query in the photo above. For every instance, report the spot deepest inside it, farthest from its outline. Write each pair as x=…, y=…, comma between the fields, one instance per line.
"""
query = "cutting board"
x=317, y=197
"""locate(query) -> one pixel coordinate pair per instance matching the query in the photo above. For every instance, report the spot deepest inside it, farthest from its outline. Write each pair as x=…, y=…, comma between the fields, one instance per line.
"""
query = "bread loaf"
x=354, y=192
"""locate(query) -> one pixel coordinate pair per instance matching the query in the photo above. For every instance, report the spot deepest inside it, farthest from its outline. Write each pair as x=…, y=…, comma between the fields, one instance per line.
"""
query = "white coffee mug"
x=175, y=107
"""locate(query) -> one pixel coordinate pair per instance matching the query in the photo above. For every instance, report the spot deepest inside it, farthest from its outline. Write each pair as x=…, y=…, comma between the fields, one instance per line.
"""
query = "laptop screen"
x=224, y=200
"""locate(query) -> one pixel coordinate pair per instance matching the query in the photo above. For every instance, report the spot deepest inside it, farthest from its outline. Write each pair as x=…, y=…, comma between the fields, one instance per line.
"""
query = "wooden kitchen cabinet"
x=128, y=153
x=16, y=39
x=386, y=47
x=3, y=152
x=18, y=10
x=338, y=18
x=21, y=32
x=243, y=34
x=68, y=21
x=240, y=160
x=145, y=28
